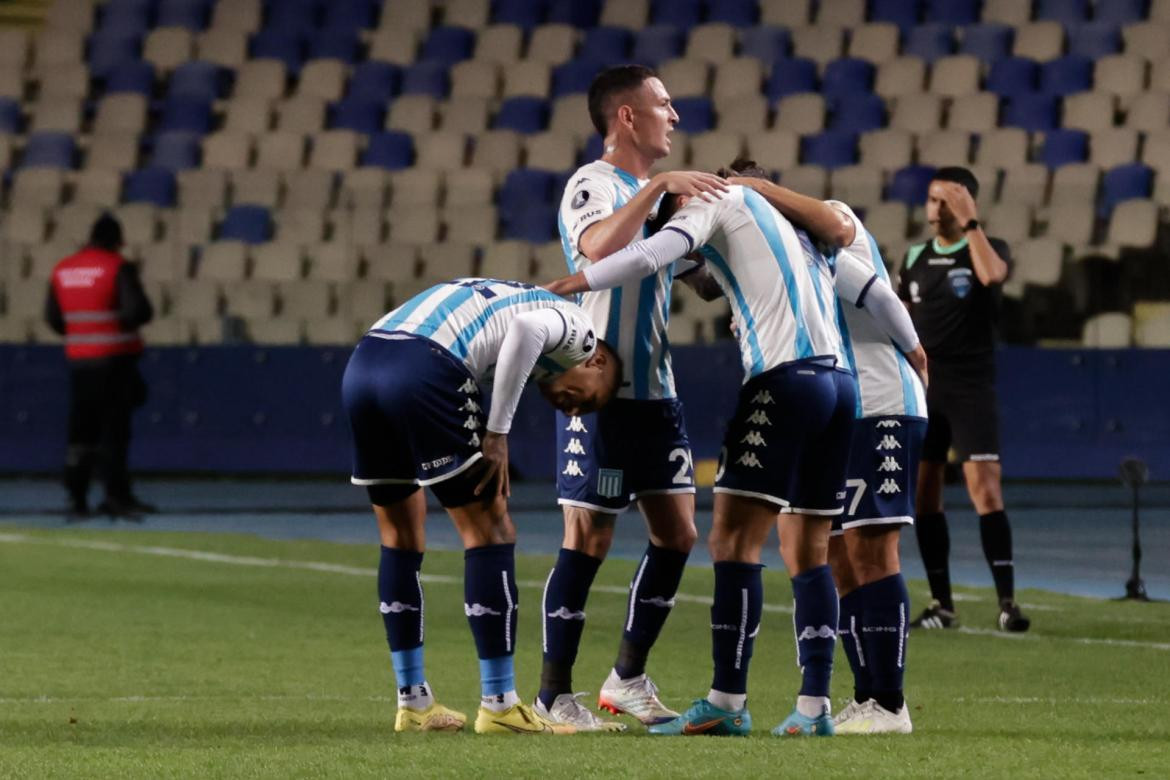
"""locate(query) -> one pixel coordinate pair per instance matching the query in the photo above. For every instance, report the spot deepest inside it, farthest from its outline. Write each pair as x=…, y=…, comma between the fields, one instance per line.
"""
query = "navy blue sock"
x=651, y=598
x=884, y=625
x=815, y=622
x=490, y=603
x=401, y=604
x=735, y=621
x=849, y=630
x=563, y=614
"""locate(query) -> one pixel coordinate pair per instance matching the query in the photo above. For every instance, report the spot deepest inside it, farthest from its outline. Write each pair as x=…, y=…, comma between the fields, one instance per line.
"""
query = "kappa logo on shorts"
x=576, y=426
x=890, y=463
x=609, y=482
x=888, y=424
x=888, y=442
x=474, y=440
x=471, y=423
x=763, y=398
x=759, y=417
x=573, y=469
x=750, y=460
x=888, y=487
x=574, y=447
x=470, y=406
x=468, y=387
x=754, y=438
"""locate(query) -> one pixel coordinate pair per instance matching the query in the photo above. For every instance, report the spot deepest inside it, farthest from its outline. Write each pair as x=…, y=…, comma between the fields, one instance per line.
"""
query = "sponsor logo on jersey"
x=574, y=447
x=887, y=487
x=478, y=610
x=580, y=198
x=888, y=442
x=609, y=482
x=759, y=417
x=763, y=398
x=471, y=423
x=564, y=614
x=941, y=261
x=889, y=463
x=470, y=406
x=576, y=426
x=754, y=438
x=573, y=469
x=586, y=217
x=396, y=608
x=888, y=424
x=436, y=463
x=723, y=627
x=469, y=386
x=960, y=279
x=824, y=632
x=915, y=293
x=750, y=460
x=658, y=601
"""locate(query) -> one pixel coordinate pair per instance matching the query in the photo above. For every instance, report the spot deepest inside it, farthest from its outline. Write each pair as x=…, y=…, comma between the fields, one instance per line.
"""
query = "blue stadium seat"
x=910, y=185
x=594, y=146
x=49, y=150
x=1013, y=75
x=847, y=76
x=578, y=13
x=738, y=13
x=683, y=14
x=1125, y=182
x=186, y=114
x=192, y=14
x=426, y=78
x=574, y=76
x=537, y=224
x=830, y=149
x=360, y=114
x=523, y=114
x=175, y=151
x=695, y=114
x=1064, y=76
x=857, y=113
x=350, y=14
x=524, y=188
x=199, y=79
x=657, y=44
x=10, y=116
x=607, y=44
x=336, y=44
x=247, y=223
x=930, y=42
x=298, y=17
x=1065, y=11
x=766, y=44
x=988, y=42
x=125, y=17
x=136, y=77
x=392, y=150
x=286, y=46
x=374, y=80
x=954, y=12
x=108, y=50
x=1094, y=39
x=1032, y=111
x=1062, y=147
x=791, y=76
x=448, y=45
x=904, y=13
x=1121, y=11
x=523, y=13
x=150, y=185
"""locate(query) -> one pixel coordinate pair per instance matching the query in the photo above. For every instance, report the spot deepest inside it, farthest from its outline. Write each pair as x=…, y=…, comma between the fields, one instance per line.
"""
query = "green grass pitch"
x=153, y=654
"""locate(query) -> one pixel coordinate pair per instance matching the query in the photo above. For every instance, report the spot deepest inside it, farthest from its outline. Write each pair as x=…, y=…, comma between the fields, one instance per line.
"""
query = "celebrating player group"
x=824, y=443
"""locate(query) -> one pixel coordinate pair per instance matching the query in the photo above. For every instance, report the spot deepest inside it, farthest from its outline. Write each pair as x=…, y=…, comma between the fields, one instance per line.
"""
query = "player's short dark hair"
x=610, y=84
x=742, y=166
x=958, y=175
x=106, y=233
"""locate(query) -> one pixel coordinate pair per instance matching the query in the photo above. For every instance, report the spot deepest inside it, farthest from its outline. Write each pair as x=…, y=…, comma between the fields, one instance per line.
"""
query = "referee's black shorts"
x=963, y=413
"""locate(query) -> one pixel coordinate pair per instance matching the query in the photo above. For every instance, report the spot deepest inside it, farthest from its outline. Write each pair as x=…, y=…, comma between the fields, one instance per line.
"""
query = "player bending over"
x=413, y=392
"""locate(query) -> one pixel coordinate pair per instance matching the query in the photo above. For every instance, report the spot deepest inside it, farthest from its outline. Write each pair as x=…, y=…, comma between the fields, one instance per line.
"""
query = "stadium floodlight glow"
x=1135, y=473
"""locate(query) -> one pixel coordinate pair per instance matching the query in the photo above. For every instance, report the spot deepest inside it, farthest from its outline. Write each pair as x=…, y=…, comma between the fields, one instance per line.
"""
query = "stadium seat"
x=467, y=13
x=574, y=77
x=301, y=114
x=1149, y=112
x=876, y=42
x=811, y=180
x=377, y=81
x=656, y=44
x=361, y=115
x=154, y=185
x=62, y=115
x=1108, y=330
x=930, y=42
x=551, y=151
x=607, y=44
x=412, y=113
x=1040, y=41
x=1013, y=76
x=190, y=14
x=168, y=47
x=857, y=113
x=332, y=262
x=1145, y=39
x=311, y=189
x=1123, y=183
x=631, y=14
x=1120, y=74
x=523, y=115
x=909, y=185
x=186, y=114
x=552, y=44
x=696, y=114
x=206, y=189
x=396, y=46
x=1065, y=11
x=742, y=77
x=1075, y=184
x=1062, y=147
x=247, y=223
x=108, y=50
x=425, y=78
x=226, y=48
x=283, y=46
x=988, y=42
x=49, y=150
x=175, y=151
x=64, y=81
x=712, y=43
x=1133, y=223
x=322, y=78
x=1003, y=148
x=790, y=77
x=767, y=44
x=686, y=77
x=469, y=187
x=472, y=78
x=803, y=114
x=115, y=151
x=248, y=115
x=821, y=43
x=256, y=187
x=1113, y=146
x=845, y=77
x=1034, y=112
x=845, y=13
x=240, y=15
x=135, y=76
x=1066, y=75
x=334, y=150
x=953, y=12
x=1089, y=111
x=351, y=14
x=955, y=76
x=683, y=14
x=10, y=116
x=888, y=149
x=942, y=148
x=448, y=45
x=1011, y=222
x=738, y=13
x=858, y=185
x=537, y=224
x=904, y=13
x=203, y=80
x=1094, y=40
x=522, y=13
x=829, y=149
x=918, y=113
x=711, y=151
x=1120, y=11
x=527, y=79
x=465, y=115
x=774, y=149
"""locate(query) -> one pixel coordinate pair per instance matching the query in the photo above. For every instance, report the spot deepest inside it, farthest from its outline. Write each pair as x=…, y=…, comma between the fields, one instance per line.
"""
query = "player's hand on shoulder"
x=495, y=458
x=693, y=183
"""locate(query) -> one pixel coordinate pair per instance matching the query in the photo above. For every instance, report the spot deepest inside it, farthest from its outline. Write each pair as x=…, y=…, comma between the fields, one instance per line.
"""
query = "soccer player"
x=413, y=390
x=887, y=439
x=785, y=451
x=952, y=286
x=636, y=450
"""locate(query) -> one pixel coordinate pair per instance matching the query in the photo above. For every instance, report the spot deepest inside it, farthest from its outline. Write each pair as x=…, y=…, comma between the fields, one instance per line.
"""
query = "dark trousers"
x=103, y=396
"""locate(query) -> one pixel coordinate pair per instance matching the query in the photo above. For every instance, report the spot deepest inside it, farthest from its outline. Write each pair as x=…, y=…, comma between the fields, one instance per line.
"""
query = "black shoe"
x=118, y=508
x=935, y=616
x=1010, y=617
x=77, y=512
x=139, y=506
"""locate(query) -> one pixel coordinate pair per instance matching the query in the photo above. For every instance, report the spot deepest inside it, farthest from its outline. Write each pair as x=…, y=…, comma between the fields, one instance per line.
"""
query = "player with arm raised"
x=637, y=448
x=413, y=391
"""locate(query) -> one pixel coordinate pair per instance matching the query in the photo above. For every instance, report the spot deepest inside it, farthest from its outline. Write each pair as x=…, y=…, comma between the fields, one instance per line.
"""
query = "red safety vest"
x=87, y=292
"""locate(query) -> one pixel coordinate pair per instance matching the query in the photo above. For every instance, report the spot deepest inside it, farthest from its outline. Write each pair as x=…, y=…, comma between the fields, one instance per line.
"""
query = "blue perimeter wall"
x=1064, y=413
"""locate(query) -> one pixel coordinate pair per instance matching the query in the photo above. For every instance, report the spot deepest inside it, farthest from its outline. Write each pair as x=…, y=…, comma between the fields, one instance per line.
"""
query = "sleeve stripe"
x=865, y=291
x=685, y=234
x=564, y=332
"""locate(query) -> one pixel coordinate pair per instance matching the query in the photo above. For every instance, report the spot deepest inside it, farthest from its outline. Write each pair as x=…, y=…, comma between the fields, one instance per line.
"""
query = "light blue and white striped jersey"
x=632, y=318
x=779, y=308
x=887, y=383
x=470, y=318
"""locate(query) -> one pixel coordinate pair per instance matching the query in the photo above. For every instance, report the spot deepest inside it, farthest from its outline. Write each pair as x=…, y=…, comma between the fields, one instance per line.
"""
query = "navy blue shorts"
x=883, y=472
x=416, y=414
x=627, y=450
x=788, y=442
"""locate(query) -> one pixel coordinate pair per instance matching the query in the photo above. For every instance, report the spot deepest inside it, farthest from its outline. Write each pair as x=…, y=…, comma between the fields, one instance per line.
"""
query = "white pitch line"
x=362, y=571
x=1055, y=701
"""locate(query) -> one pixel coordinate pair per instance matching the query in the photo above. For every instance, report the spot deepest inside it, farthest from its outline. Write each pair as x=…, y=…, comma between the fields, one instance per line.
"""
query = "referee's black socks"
x=996, y=535
x=934, y=543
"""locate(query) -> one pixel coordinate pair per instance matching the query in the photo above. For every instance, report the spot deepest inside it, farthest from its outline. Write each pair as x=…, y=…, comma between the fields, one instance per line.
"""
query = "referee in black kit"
x=952, y=287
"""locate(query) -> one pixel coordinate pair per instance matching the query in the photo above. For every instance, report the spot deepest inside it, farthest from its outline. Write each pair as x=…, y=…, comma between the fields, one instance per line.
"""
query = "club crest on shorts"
x=609, y=483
